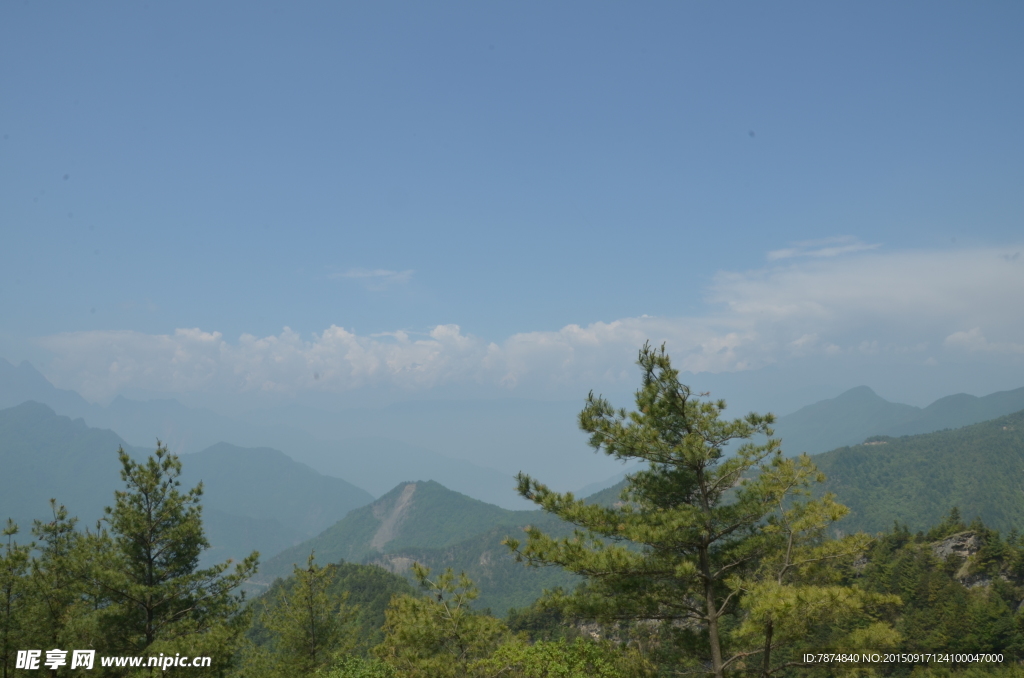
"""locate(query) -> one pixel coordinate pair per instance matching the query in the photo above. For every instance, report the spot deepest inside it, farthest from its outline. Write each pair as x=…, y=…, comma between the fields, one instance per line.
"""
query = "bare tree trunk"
x=766, y=660
x=712, y=613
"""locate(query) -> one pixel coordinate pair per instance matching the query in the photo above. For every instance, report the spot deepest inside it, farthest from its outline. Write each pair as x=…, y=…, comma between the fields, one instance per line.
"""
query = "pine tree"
x=690, y=525
x=158, y=601
x=582, y=658
x=795, y=600
x=438, y=636
x=309, y=627
x=13, y=599
x=56, y=583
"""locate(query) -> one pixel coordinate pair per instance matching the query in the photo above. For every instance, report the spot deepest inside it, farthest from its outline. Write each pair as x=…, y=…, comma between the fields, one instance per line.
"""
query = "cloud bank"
x=920, y=305
x=826, y=247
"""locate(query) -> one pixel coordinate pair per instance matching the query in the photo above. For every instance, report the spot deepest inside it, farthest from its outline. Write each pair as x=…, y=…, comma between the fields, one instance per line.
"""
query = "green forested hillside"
x=608, y=496
x=427, y=523
x=503, y=582
x=421, y=514
x=367, y=588
x=916, y=480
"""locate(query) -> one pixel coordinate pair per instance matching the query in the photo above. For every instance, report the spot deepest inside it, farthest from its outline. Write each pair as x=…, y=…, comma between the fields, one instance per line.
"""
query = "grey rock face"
x=962, y=544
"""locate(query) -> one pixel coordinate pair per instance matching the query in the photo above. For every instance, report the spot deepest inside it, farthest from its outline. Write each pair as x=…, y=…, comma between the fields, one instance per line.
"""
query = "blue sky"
x=507, y=198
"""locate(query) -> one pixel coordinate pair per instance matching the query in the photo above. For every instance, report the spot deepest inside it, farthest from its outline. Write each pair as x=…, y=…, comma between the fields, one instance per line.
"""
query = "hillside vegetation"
x=504, y=583
x=917, y=479
x=413, y=514
x=439, y=527
x=365, y=588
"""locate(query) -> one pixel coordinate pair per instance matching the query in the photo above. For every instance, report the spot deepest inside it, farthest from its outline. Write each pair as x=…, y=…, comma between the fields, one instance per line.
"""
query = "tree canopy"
x=708, y=523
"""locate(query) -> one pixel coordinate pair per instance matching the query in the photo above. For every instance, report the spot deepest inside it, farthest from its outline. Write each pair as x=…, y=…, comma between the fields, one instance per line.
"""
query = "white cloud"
x=826, y=247
x=376, y=279
x=864, y=305
x=974, y=341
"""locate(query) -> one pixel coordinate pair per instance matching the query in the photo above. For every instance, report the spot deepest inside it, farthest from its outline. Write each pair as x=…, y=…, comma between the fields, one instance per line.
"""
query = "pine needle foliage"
x=686, y=542
x=145, y=565
x=14, y=599
x=309, y=627
x=439, y=635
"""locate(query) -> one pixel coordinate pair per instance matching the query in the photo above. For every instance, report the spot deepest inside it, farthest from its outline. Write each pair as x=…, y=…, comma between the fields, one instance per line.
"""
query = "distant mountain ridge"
x=917, y=479
x=374, y=463
x=859, y=413
x=266, y=484
x=914, y=479
x=253, y=499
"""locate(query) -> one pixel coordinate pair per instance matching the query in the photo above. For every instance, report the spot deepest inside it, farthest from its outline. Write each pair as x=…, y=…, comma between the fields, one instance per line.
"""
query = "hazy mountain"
x=265, y=484
x=373, y=462
x=254, y=499
x=960, y=410
x=614, y=481
x=845, y=420
x=918, y=479
x=235, y=537
x=860, y=413
x=24, y=382
x=43, y=455
x=380, y=463
x=510, y=435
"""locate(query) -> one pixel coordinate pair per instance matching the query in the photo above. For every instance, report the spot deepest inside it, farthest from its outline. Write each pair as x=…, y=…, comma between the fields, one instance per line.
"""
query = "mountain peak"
x=414, y=514
x=389, y=520
x=859, y=394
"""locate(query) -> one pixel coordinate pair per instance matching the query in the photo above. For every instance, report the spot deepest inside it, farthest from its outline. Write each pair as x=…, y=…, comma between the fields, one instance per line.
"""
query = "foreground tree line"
x=712, y=563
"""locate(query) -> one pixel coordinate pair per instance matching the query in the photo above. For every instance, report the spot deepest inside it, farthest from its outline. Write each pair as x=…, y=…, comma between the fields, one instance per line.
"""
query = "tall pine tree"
x=13, y=599
x=307, y=628
x=158, y=600
x=691, y=526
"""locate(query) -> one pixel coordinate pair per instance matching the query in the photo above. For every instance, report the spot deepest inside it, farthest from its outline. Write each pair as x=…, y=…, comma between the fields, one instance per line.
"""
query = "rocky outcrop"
x=962, y=544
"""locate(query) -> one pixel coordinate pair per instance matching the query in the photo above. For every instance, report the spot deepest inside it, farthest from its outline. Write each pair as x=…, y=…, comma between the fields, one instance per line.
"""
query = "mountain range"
x=917, y=479
x=913, y=479
x=372, y=461
x=859, y=413
x=886, y=461
x=253, y=498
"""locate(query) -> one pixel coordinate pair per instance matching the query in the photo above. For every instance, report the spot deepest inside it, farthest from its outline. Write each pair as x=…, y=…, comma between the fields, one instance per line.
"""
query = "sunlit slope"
x=502, y=581
x=427, y=523
x=413, y=514
x=918, y=479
